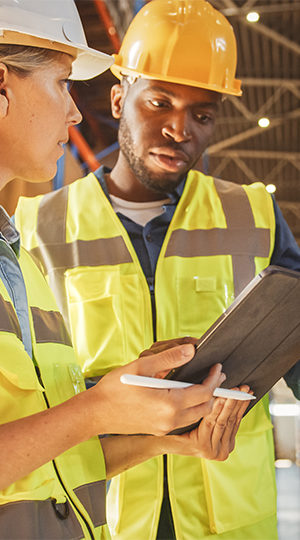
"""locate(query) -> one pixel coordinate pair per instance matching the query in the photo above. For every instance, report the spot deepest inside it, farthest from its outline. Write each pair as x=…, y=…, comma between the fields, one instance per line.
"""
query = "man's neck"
x=123, y=183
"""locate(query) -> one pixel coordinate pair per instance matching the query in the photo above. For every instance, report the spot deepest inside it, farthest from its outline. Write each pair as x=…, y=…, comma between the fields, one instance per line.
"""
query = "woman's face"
x=35, y=127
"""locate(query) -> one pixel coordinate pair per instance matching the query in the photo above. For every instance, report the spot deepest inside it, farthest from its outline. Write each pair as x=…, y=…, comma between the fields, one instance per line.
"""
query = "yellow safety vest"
x=220, y=237
x=65, y=498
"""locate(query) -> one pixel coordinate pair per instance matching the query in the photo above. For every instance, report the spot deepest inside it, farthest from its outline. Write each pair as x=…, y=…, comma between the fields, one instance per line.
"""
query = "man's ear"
x=117, y=98
x=3, y=92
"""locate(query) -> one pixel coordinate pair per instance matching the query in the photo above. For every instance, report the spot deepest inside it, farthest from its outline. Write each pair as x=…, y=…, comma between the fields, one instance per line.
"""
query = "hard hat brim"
x=119, y=72
x=88, y=62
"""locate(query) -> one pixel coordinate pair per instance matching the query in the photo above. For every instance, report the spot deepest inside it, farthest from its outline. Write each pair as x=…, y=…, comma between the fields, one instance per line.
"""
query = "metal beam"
x=263, y=29
x=259, y=154
x=274, y=36
x=242, y=136
x=274, y=171
x=221, y=166
x=246, y=170
x=271, y=101
x=267, y=8
x=251, y=81
x=239, y=105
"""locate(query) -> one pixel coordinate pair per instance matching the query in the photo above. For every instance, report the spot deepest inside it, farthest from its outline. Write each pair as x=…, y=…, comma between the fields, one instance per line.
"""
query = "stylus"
x=152, y=382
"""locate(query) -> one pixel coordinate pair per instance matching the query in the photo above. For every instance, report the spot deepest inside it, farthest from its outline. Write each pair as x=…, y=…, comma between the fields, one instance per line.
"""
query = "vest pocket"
x=96, y=317
x=201, y=300
x=241, y=491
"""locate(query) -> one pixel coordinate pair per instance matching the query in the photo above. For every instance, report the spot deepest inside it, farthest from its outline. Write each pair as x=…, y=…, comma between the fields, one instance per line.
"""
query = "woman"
x=53, y=470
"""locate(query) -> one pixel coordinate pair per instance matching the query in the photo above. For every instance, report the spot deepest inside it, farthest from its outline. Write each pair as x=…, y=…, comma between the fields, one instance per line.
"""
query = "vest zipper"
x=38, y=372
x=151, y=285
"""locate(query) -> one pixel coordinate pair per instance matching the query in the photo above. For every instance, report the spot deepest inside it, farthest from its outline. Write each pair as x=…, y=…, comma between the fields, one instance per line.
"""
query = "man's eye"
x=204, y=118
x=158, y=103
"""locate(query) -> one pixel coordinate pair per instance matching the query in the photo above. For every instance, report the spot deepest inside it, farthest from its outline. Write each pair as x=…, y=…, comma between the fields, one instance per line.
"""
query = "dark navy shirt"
x=147, y=242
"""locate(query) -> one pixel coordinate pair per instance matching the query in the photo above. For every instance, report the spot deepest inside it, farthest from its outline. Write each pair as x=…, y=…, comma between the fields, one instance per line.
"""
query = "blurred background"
x=256, y=139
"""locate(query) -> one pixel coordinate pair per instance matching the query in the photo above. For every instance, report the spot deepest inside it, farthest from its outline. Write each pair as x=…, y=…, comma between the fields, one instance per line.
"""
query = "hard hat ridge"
x=181, y=41
x=51, y=24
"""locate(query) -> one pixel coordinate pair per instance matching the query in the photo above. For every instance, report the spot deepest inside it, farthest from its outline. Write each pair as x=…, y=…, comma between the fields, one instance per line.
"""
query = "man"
x=153, y=250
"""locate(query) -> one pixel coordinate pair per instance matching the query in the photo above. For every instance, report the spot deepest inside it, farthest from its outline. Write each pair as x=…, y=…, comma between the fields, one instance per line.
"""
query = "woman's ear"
x=116, y=98
x=3, y=92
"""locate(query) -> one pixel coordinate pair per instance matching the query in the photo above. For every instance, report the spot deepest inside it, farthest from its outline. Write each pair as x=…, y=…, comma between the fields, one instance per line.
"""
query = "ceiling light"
x=271, y=188
x=283, y=463
x=263, y=122
x=252, y=16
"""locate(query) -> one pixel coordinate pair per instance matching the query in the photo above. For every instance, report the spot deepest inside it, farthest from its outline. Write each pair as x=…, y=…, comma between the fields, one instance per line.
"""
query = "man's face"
x=164, y=129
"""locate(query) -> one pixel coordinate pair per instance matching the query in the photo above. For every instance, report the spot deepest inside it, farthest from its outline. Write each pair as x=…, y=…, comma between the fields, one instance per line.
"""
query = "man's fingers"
x=169, y=359
x=215, y=377
x=160, y=346
x=228, y=421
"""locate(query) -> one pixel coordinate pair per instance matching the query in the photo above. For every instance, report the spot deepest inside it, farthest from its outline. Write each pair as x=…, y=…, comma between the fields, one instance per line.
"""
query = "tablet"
x=257, y=339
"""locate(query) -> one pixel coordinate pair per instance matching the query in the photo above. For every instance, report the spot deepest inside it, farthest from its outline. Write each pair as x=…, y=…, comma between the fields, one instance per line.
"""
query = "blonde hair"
x=23, y=60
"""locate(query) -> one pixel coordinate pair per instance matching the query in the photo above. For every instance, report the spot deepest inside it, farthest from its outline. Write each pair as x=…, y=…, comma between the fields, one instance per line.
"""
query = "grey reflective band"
x=241, y=239
x=98, y=252
x=8, y=319
x=49, y=327
x=93, y=497
x=37, y=520
x=238, y=214
x=209, y=242
x=51, y=225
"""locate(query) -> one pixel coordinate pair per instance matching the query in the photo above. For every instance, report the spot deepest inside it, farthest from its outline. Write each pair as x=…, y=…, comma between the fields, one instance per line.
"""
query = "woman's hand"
x=120, y=408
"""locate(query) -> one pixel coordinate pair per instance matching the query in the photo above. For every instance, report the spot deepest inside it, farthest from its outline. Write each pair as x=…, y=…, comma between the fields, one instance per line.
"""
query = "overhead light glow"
x=283, y=463
x=252, y=16
x=271, y=188
x=263, y=122
x=284, y=409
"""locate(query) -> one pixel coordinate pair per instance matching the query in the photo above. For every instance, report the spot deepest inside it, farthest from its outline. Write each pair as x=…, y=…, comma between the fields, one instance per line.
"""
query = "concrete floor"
x=288, y=487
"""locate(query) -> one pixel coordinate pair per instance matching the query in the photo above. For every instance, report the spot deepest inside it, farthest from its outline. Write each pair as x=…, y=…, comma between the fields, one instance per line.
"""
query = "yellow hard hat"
x=180, y=41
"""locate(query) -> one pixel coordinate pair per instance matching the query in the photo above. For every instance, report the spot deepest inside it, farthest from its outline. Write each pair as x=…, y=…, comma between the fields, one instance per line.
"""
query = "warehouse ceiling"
x=268, y=65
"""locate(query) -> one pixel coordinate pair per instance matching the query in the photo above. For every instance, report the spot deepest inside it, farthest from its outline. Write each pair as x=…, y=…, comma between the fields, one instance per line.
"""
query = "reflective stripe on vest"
x=8, y=319
x=38, y=520
x=49, y=327
x=44, y=520
x=90, y=495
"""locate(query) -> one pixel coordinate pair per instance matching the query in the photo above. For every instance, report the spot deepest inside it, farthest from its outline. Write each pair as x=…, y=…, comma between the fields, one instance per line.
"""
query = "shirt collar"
x=8, y=231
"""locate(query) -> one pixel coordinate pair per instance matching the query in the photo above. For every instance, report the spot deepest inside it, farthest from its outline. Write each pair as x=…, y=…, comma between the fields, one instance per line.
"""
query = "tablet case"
x=257, y=339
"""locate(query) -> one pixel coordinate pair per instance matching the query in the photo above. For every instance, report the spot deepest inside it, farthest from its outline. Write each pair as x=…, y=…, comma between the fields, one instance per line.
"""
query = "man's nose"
x=177, y=128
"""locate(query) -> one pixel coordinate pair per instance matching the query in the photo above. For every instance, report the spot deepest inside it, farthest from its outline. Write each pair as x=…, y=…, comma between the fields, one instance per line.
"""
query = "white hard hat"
x=51, y=24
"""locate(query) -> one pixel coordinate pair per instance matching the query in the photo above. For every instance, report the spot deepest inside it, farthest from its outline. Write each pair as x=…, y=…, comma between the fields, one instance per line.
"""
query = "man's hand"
x=214, y=438
x=119, y=408
x=159, y=346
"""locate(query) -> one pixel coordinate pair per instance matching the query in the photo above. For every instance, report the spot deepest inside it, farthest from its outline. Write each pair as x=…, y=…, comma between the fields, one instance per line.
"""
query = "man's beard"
x=149, y=179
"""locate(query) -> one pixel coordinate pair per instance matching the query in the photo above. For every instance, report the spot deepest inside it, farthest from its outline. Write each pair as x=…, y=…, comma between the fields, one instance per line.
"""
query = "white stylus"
x=152, y=382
